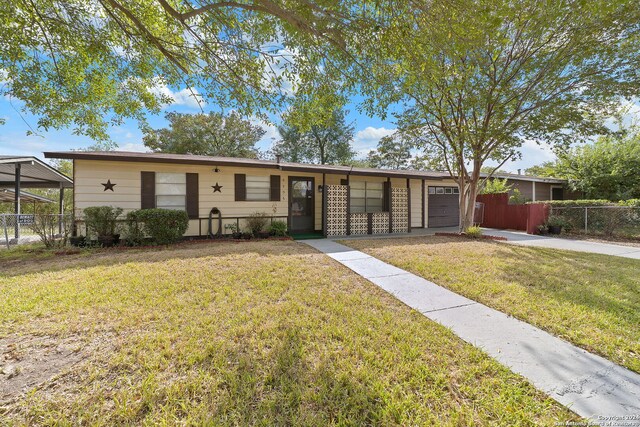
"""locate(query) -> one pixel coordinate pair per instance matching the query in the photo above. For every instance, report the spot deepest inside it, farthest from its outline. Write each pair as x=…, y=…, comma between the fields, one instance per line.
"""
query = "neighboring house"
x=332, y=200
x=537, y=188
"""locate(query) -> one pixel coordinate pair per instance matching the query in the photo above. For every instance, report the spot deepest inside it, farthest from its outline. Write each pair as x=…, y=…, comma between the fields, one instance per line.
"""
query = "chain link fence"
x=619, y=221
x=26, y=228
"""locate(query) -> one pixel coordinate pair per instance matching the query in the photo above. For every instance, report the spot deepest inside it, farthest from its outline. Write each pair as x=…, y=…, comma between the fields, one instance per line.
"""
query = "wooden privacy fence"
x=498, y=213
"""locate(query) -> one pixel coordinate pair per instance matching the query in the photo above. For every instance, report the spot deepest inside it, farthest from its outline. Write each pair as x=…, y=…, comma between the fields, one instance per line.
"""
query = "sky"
x=14, y=139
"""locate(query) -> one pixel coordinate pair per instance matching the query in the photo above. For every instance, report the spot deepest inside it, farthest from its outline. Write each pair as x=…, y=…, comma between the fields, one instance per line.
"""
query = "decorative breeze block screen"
x=336, y=209
x=399, y=210
x=359, y=223
x=380, y=223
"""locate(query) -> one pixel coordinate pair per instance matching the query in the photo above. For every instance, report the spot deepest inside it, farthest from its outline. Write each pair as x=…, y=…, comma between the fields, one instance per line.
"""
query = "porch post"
x=324, y=205
x=422, y=210
x=390, y=197
x=408, y=205
x=16, y=198
x=60, y=208
x=533, y=190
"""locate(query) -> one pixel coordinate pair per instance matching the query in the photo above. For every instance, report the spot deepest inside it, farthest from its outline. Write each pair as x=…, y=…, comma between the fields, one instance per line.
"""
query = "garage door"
x=443, y=207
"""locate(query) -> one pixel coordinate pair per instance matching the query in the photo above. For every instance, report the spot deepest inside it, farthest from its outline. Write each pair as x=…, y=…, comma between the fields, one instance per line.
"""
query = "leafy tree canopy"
x=327, y=142
x=478, y=78
x=89, y=63
x=398, y=152
x=608, y=169
x=495, y=186
x=212, y=134
x=393, y=152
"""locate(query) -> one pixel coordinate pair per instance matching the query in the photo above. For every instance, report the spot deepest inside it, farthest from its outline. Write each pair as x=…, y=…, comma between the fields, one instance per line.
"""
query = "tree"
x=398, y=152
x=89, y=63
x=491, y=170
x=393, y=152
x=480, y=77
x=606, y=169
x=210, y=134
x=547, y=169
x=327, y=142
x=495, y=186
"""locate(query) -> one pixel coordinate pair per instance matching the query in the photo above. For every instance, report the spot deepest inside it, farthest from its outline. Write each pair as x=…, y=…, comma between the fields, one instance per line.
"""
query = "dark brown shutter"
x=344, y=182
x=192, y=195
x=275, y=188
x=240, y=187
x=386, y=206
x=148, y=190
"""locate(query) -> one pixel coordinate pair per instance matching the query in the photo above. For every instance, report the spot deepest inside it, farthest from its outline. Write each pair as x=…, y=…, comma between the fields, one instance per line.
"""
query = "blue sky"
x=14, y=138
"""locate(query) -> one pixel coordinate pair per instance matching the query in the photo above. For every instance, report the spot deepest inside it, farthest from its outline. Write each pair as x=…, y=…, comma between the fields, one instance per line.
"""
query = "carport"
x=17, y=173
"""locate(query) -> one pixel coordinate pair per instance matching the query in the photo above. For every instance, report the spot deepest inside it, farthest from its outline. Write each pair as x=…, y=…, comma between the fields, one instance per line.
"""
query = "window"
x=258, y=188
x=444, y=190
x=366, y=196
x=171, y=191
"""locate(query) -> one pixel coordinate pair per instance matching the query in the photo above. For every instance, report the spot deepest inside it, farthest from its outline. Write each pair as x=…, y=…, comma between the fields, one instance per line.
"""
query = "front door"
x=301, y=205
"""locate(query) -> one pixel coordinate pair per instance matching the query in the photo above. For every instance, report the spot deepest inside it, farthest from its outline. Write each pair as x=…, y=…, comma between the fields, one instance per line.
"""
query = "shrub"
x=257, y=222
x=556, y=221
x=47, y=224
x=576, y=203
x=495, y=186
x=232, y=227
x=634, y=203
x=102, y=220
x=517, y=198
x=164, y=226
x=474, y=232
x=135, y=233
x=278, y=228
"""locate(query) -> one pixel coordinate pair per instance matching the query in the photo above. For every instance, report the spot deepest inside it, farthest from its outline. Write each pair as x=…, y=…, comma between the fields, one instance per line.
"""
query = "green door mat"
x=307, y=236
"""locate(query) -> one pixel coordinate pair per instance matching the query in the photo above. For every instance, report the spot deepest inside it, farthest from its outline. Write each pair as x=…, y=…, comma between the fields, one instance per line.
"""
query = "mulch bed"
x=181, y=244
x=483, y=237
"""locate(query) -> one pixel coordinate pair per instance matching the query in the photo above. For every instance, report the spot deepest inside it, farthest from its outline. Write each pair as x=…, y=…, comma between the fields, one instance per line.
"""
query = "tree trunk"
x=467, y=200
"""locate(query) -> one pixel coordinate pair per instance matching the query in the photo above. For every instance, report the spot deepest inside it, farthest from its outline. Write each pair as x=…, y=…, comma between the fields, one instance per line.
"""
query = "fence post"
x=586, y=219
x=6, y=234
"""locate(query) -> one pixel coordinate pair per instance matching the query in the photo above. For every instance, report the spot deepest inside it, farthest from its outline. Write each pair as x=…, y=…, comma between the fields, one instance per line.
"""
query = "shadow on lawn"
x=286, y=389
x=598, y=282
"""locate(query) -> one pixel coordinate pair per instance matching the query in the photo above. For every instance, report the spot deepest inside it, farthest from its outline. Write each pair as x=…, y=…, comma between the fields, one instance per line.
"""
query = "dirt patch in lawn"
x=28, y=361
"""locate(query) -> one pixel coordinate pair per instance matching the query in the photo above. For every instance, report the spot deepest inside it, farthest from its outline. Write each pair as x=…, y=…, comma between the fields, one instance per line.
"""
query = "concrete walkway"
x=588, y=384
x=524, y=239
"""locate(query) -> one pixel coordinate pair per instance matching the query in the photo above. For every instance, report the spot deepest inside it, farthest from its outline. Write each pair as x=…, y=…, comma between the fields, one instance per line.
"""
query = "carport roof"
x=34, y=173
x=8, y=195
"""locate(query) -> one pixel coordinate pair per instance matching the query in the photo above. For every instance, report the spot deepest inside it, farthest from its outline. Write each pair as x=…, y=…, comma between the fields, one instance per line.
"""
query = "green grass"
x=258, y=333
x=590, y=300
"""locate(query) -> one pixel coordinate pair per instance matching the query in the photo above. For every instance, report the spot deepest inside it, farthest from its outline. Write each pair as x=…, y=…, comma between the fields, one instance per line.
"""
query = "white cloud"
x=532, y=154
x=133, y=147
x=187, y=97
x=271, y=135
x=631, y=109
x=367, y=138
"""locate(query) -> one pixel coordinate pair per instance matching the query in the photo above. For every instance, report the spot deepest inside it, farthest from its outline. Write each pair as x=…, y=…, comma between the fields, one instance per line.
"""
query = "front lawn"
x=590, y=300
x=260, y=333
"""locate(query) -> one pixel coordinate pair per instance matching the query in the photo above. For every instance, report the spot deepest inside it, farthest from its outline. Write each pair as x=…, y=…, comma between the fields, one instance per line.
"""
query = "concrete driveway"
x=524, y=239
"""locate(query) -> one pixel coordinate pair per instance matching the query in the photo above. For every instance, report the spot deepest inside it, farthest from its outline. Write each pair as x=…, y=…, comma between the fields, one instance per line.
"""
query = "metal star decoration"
x=108, y=185
x=217, y=188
